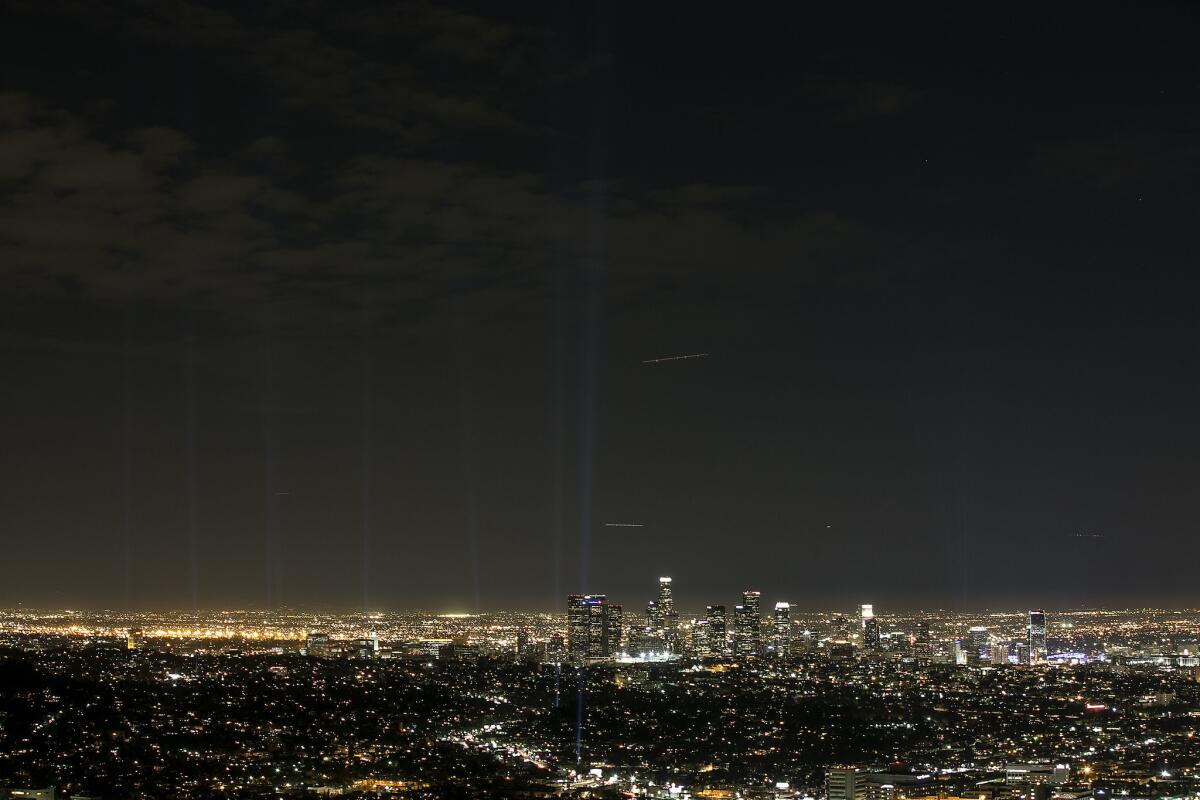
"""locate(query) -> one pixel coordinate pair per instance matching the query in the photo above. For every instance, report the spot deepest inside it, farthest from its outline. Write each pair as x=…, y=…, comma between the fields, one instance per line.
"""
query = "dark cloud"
x=858, y=100
x=1119, y=161
x=146, y=213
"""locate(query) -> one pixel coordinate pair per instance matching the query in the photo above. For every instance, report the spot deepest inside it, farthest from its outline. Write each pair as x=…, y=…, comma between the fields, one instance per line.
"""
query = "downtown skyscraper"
x=1035, y=631
x=594, y=627
x=717, y=629
x=783, y=629
x=747, y=618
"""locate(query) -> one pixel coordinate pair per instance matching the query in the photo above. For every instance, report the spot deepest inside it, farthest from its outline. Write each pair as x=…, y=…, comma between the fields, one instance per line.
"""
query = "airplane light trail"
x=675, y=358
x=624, y=525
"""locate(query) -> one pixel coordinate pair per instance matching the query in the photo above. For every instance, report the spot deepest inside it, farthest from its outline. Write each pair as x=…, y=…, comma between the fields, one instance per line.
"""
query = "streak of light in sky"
x=675, y=358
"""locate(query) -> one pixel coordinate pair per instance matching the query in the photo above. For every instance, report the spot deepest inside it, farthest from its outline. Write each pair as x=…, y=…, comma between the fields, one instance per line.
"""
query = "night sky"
x=329, y=304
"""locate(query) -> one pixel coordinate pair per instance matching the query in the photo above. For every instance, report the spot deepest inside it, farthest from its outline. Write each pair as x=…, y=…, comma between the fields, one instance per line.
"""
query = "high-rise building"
x=554, y=649
x=668, y=620
x=977, y=644
x=666, y=601
x=578, y=621
x=523, y=642
x=922, y=641
x=133, y=639
x=653, y=616
x=839, y=629
x=715, y=615
x=751, y=602
x=783, y=629
x=1036, y=636
x=871, y=639
x=845, y=783
x=741, y=631
x=700, y=637
x=614, y=632
x=594, y=627
x=867, y=612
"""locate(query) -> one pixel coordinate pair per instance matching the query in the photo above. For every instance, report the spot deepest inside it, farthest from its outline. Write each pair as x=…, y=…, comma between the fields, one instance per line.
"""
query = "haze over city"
x=599, y=401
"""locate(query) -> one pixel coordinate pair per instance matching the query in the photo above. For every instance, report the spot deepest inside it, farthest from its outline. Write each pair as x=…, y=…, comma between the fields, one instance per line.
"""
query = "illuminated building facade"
x=715, y=616
x=594, y=627
x=871, y=640
x=320, y=645
x=839, y=629
x=752, y=603
x=783, y=629
x=667, y=621
x=977, y=645
x=845, y=783
x=1036, y=636
x=922, y=641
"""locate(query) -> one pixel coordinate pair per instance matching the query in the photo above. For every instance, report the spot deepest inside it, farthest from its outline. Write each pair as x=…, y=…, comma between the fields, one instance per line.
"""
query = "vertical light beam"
x=467, y=442
x=267, y=398
x=593, y=269
x=367, y=425
x=190, y=444
x=126, y=457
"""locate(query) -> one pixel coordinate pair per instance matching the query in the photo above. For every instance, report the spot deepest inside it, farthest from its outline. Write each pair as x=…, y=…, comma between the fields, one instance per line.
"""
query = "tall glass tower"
x=783, y=629
x=752, y=602
x=1036, y=630
x=594, y=627
x=716, y=629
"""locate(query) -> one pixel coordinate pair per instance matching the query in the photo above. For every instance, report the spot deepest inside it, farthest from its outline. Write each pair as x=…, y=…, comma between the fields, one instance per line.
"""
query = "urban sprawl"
x=733, y=702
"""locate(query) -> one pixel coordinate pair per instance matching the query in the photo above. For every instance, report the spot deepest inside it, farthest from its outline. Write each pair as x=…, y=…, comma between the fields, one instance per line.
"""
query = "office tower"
x=741, y=631
x=977, y=644
x=871, y=640
x=133, y=639
x=1019, y=653
x=554, y=649
x=783, y=629
x=845, y=783
x=1036, y=636
x=700, y=637
x=666, y=602
x=839, y=629
x=594, y=627
x=668, y=620
x=577, y=626
x=614, y=633
x=715, y=616
x=867, y=612
x=923, y=642
x=751, y=602
x=374, y=637
x=653, y=616
x=522, y=642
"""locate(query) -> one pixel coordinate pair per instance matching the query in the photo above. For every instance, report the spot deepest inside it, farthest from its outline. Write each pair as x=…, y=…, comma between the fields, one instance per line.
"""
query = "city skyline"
x=496, y=707
x=453, y=400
